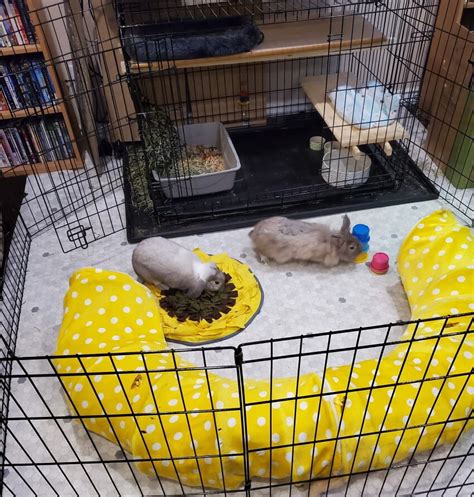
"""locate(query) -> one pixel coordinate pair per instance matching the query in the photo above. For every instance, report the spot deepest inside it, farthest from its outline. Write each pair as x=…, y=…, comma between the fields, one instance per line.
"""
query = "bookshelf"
x=28, y=112
x=36, y=133
x=19, y=50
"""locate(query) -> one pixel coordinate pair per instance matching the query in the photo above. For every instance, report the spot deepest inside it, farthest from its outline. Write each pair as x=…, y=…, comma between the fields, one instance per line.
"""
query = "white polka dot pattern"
x=110, y=311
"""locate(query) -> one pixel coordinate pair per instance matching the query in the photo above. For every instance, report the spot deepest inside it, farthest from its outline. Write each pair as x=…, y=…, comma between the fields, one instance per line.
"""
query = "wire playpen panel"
x=81, y=199
x=132, y=116
x=12, y=282
x=50, y=451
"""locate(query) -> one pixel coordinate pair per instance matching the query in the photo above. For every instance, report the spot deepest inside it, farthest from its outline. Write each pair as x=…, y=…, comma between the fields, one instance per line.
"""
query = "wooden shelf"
x=291, y=40
x=346, y=134
x=41, y=47
x=30, y=111
x=19, y=50
x=57, y=165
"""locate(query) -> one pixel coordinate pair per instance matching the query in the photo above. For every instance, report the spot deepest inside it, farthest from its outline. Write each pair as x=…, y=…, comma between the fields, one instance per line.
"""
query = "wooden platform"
x=29, y=112
x=314, y=38
x=19, y=50
x=317, y=87
x=42, y=167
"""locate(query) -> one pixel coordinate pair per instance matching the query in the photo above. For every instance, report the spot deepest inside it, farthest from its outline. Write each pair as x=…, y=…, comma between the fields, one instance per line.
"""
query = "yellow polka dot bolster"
x=436, y=265
x=247, y=305
x=182, y=422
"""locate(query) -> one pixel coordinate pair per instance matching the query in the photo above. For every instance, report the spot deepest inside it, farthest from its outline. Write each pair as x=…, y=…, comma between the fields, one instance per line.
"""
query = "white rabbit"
x=166, y=264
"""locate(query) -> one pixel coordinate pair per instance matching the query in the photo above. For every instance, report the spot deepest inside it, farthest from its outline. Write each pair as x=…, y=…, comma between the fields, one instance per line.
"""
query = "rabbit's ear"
x=346, y=224
x=337, y=239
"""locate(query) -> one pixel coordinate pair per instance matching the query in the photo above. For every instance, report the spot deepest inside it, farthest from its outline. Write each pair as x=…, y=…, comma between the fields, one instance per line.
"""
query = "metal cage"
x=265, y=99
x=269, y=101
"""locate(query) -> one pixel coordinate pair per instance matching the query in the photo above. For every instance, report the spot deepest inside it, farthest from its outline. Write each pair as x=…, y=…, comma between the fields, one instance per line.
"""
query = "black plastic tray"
x=279, y=176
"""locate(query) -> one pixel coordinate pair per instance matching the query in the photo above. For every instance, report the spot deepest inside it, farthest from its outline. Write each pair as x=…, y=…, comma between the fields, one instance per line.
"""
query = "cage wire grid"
x=281, y=93
x=82, y=460
x=77, y=204
x=87, y=204
x=12, y=284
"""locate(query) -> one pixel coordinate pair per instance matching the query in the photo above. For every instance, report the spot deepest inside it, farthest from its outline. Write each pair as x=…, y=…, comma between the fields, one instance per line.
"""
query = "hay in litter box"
x=137, y=175
x=160, y=139
x=168, y=155
x=200, y=160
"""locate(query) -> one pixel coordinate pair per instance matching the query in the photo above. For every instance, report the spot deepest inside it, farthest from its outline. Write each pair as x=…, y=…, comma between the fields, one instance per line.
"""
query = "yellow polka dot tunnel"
x=180, y=422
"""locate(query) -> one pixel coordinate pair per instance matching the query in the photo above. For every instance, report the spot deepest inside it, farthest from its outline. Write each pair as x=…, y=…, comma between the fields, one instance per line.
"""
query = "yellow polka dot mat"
x=186, y=424
x=248, y=303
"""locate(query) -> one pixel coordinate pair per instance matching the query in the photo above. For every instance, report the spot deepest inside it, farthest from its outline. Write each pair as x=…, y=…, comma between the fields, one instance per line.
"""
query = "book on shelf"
x=4, y=161
x=43, y=80
x=45, y=140
x=57, y=145
x=19, y=21
x=9, y=38
x=11, y=156
x=27, y=143
x=12, y=140
x=3, y=102
x=8, y=87
x=24, y=94
x=4, y=42
x=21, y=145
x=15, y=24
x=25, y=19
x=63, y=133
x=25, y=83
x=34, y=141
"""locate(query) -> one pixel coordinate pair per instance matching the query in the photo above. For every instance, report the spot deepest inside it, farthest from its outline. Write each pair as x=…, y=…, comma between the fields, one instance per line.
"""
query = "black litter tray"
x=279, y=177
x=191, y=39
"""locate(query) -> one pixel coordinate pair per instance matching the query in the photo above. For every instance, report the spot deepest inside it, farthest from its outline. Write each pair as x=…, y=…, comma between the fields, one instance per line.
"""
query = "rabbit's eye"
x=352, y=247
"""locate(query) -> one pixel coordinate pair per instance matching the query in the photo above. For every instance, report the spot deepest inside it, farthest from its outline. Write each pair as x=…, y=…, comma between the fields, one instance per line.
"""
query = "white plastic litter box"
x=206, y=135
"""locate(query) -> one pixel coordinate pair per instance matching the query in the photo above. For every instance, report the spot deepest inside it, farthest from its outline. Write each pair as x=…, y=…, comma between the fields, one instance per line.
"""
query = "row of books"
x=34, y=141
x=25, y=82
x=15, y=24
